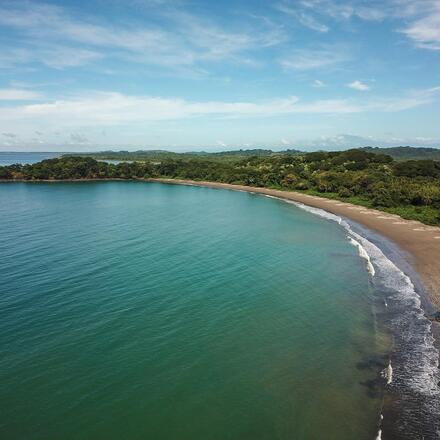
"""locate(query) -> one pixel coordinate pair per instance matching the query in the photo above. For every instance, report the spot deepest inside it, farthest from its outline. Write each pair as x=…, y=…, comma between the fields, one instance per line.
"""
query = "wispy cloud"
x=412, y=99
x=422, y=16
x=421, y=25
x=343, y=141
x=18, y=95
x=314, y=59
x=222, y=144
x=186, y=40
x=346, y=10
x=424, y=27
x=318, y=83
x=359, y=85
x=112, y=109
x=302, y=17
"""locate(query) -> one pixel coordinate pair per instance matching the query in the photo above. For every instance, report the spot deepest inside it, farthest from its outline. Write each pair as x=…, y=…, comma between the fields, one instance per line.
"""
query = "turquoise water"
x=149, y=311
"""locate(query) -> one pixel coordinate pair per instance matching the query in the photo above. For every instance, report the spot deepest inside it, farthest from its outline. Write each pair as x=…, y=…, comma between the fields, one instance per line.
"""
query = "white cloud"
x=221, y=144
x=358, y=85
x=422, y=17
x=312, y=23
x=424, y=30
x=412, y=99
x=303, y=18
x=18, y=95
x=346, y=10
x=183, y=42
x=318, y=83
x=97, y=110
x=314, y=59
x=343, y=141
x=55, y=55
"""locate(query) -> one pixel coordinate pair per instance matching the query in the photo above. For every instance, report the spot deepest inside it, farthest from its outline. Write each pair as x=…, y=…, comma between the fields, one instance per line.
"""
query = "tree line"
x=410, y=188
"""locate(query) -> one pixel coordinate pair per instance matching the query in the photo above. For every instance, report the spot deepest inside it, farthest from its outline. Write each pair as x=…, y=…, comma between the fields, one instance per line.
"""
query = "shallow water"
x=135, y=310
x=411, y=405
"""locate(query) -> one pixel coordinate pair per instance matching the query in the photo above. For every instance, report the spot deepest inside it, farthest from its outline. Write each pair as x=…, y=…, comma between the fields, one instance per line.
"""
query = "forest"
x=409, y=188
x=397, y=153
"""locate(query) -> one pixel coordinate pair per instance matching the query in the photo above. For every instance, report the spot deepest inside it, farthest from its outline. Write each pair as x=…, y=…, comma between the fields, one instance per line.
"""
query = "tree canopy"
x=410, y=188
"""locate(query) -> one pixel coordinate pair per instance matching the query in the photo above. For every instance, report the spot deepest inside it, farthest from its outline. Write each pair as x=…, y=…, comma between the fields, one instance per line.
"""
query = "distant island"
x=367, y=177
x=143, y=155
x=406, y=153
x=397, y=153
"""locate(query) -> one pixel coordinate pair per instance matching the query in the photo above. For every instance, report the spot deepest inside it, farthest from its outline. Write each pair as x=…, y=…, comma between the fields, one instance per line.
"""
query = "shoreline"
x=415, y=250
x=419, y=242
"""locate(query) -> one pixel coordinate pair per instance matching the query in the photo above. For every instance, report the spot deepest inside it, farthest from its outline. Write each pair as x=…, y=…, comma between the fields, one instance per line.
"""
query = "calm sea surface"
x=146, y=311
x=10, y=158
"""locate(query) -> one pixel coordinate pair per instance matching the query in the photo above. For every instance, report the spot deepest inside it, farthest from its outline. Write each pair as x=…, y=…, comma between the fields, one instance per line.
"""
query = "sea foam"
x=363, y=254
x=424, y=365
x=414, y=376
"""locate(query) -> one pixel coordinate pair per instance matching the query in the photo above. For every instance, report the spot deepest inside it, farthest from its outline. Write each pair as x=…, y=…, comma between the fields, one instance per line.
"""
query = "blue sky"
x=191, y=75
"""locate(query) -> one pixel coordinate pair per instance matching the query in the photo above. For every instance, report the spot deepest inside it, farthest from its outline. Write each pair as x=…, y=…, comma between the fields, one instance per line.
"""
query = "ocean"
x=11, y=158
x=142, y=310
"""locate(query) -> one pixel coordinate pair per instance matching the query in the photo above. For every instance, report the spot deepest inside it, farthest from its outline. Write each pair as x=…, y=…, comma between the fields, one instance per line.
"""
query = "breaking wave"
x=413, y=382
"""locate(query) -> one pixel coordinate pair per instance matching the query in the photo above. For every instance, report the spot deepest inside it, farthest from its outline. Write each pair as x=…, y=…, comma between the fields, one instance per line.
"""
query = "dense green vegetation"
x=160, y=155
x=410, y=188
x=397, y=153
x=406, y=153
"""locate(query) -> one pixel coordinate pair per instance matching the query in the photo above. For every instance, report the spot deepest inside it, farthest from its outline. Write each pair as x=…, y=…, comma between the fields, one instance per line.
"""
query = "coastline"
x=420, y=243
x=406, y=258
x=413, y=389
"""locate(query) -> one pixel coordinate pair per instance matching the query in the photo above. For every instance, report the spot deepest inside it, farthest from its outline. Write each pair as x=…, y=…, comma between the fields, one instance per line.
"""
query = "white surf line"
x=363, y=254
x=379, y=433
x=389, y=373
x=424, y=369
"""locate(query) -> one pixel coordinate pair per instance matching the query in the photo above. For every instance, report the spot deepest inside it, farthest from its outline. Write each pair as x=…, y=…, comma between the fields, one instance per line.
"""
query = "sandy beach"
x=411, y=367
x=420, y=242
